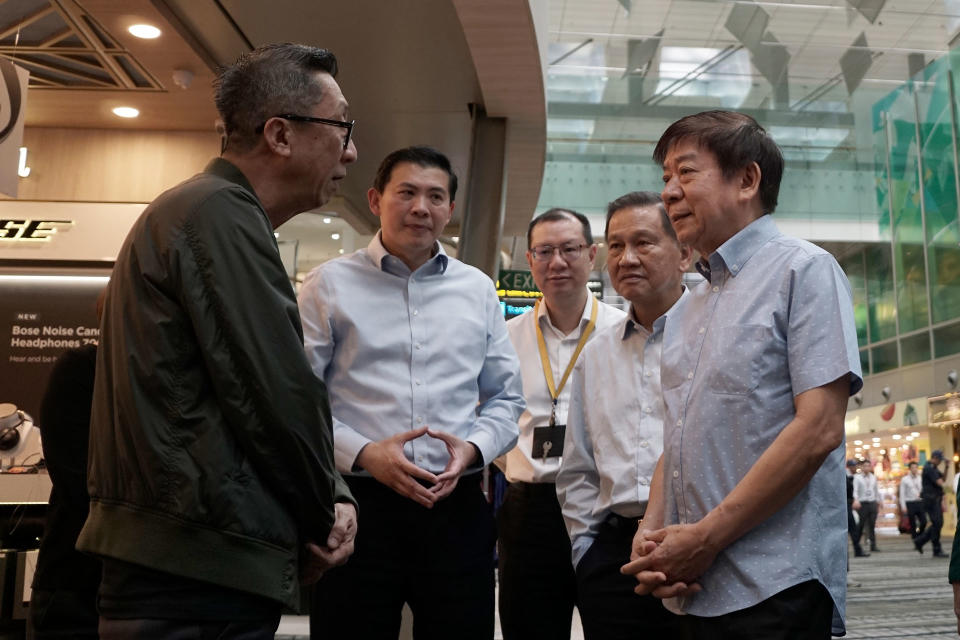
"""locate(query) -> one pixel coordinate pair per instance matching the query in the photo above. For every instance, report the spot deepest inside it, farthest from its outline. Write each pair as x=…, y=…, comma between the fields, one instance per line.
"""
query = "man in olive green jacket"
x=212, y=482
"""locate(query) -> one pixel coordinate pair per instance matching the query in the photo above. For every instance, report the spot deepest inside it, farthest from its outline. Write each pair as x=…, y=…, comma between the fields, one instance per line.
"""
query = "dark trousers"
x=918, y=519
x=854, y=529
x=150, y=629
x=934, y=511
x=63, y=613
x=802, y=612
x=537, y=584
x=439, y=561
x=609, y=609
x=868, y=522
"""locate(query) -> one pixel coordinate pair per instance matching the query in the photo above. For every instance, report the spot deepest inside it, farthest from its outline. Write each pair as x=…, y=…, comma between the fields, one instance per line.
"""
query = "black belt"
x=622, y=523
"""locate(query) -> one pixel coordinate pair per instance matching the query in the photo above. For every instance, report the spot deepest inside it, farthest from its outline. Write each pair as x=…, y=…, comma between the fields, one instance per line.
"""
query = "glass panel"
x=940, y=190
x=881, y=309
x=915, y=349
x=946, y=340
x=884, y=357
x=865, y=361
x=907, y=219
x=853, y=267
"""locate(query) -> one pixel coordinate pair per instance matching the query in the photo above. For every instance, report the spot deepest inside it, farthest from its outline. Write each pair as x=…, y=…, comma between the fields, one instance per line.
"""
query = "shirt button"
x=644, y=444
x=647, y=409
x=647, y=374
x=679, y=424
x=419, y=382
x=702, y=330
x=643, y=482
x=416, y=312
x=735, y=267
x=690, y=376
x=715, y=289
x=419, y=418
x=418, y=346
x=676, y=474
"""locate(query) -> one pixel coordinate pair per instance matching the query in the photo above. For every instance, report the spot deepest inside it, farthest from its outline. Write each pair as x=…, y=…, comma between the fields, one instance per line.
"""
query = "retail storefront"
x=893, y=435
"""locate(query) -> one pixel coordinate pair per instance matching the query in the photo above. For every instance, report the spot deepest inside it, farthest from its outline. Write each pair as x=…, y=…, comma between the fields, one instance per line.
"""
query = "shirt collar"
x=737, y=251
x=543, y=316
x=388, y=262
x=630, y=325
x=229, y=171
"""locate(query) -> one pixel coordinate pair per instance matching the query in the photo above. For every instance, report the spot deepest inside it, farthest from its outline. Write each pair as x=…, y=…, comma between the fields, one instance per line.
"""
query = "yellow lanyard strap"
x=545, y=357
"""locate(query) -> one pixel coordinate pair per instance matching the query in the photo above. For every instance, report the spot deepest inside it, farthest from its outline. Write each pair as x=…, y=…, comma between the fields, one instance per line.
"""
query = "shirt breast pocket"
x=742, y=349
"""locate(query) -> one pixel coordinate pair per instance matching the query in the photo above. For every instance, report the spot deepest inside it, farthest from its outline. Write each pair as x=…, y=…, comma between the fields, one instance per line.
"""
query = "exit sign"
x=517, y=281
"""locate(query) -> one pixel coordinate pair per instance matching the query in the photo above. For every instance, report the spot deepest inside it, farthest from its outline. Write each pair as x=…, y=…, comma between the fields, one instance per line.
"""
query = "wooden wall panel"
x=110, y=165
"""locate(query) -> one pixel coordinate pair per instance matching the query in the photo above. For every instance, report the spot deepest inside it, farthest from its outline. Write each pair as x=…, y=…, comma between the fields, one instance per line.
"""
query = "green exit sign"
x=517, y=281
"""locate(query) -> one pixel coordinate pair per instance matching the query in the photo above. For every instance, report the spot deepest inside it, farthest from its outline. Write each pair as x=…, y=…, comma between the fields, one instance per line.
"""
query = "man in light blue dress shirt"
x=614, y=431
x=745, y=531
x=424, y=390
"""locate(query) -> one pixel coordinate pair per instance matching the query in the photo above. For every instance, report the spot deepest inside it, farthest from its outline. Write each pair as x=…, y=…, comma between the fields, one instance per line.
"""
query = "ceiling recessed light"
x=145, y=31
x=326, y=221
x=126, y=112
x=335, y=236
x=341, y=250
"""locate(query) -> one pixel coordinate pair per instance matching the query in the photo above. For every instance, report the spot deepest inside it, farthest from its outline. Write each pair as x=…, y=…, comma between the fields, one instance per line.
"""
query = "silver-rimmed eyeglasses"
x=569, y=252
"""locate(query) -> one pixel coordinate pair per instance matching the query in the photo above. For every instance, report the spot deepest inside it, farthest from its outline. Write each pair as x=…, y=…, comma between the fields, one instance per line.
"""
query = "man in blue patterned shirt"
x=745, y=529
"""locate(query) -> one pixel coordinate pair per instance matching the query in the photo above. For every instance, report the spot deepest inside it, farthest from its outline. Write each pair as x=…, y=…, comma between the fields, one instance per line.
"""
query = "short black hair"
x=421, y=155
x=556, y=214
x=265, y=82
x=736, y=140
x=640, y=199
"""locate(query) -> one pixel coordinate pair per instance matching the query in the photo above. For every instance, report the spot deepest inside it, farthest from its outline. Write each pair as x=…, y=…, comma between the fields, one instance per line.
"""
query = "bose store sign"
x=75, y=231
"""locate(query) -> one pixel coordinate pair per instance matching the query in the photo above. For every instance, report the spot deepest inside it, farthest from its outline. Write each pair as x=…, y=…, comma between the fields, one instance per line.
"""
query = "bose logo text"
x=31, y=230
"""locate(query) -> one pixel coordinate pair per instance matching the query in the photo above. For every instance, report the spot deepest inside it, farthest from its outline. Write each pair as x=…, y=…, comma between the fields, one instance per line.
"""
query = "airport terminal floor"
x=894, y=593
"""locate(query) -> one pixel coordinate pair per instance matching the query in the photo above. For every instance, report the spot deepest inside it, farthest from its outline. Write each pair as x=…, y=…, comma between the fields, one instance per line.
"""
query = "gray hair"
x=266, y=82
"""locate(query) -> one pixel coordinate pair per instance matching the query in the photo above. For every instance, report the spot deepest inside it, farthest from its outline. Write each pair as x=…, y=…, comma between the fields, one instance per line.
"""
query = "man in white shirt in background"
x=910, y=502
x=866, y=493
x=615, y=425
x=537, y=583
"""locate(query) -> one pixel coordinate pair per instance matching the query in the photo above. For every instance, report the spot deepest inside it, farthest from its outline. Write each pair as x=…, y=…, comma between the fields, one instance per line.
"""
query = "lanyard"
x=545, y=357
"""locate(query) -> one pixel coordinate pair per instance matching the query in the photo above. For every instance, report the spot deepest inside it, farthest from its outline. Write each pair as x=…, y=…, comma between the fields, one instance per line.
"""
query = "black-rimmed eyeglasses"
x=333, y=123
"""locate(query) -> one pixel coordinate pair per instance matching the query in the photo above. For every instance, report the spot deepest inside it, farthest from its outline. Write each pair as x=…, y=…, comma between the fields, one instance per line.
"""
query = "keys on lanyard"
x=546, y=450
x=548, y=441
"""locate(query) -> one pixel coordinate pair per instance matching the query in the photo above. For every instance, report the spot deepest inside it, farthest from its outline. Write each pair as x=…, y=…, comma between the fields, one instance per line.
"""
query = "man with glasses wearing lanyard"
x=537, y=583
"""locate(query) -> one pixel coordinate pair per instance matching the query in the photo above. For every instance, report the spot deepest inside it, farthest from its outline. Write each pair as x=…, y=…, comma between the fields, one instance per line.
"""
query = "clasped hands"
x=385, y=461
x=667, y=562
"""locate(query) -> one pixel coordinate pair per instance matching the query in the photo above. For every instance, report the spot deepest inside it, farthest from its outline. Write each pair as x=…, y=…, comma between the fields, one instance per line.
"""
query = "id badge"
x=548, y=441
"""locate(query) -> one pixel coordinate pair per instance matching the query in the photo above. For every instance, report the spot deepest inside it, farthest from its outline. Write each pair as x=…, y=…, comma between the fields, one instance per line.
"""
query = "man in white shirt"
x=866, y=493
x=910, y=502
x=537, y=584
x=615, y=425
x=424, y=392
